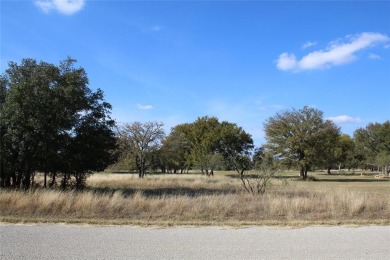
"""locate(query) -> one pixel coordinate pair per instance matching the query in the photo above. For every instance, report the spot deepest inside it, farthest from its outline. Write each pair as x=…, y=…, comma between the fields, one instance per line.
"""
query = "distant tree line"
x=53, y=123
x=205, y=144
x=296, y=139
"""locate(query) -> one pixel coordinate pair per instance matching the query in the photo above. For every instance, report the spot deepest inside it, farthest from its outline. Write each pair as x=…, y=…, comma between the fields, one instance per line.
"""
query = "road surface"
x=56, y=241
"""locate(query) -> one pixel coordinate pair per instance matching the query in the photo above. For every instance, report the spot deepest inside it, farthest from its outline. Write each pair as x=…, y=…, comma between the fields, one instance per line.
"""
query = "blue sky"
x=241, y=61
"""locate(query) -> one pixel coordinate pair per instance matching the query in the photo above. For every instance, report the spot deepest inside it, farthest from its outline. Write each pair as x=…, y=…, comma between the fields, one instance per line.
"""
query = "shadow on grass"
x=253, y=176
x=330, y=177
x=163, y=192
x=353, y=180
x=348, y=174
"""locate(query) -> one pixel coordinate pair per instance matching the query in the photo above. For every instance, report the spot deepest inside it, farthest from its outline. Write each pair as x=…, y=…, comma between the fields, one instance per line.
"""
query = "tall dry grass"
x=189, y=181
x=281, y=205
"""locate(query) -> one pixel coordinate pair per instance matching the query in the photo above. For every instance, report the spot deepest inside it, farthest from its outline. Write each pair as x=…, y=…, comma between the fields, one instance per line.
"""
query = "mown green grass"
x=351, y=182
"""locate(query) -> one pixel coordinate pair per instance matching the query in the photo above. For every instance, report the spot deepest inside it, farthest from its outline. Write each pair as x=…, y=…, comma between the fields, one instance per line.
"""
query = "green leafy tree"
x=301, y=137
x=5, y=163
x=210, y=144
x=174, y=151
x=373, y=142
x=45, y=110
x=344, y=152
x=203, y=138
x=235, y=145
x=258, y=156
x=92, y=143
x=341, y=153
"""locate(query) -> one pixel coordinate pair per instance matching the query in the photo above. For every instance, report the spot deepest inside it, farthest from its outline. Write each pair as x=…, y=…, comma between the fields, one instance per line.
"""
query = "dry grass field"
x=192, y=199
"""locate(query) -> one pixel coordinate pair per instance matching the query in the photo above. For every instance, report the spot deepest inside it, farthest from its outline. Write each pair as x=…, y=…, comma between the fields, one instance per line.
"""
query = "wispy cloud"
x=144, y=107
x=343, y=119
x=374, y=56
x=337, y=53
x=308, y=44
x=262, y=106
x=155, y=28
x=67, y=7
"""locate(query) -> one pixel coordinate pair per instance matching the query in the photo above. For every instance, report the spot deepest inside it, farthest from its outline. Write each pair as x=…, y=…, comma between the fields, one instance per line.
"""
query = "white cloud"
x=287, y=61
x=374, y=56
x=342, y=119
x=44, y=5
x=67, y=7
x=337, y=53
x=308, y=44
x=144, y=107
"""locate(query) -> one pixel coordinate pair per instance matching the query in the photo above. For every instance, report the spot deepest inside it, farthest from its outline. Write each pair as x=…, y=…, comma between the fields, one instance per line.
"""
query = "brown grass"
x=195, y=200
x=163, y=181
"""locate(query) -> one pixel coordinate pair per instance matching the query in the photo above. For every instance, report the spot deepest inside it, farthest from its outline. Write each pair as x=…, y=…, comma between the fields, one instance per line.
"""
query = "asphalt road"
x=127, y=242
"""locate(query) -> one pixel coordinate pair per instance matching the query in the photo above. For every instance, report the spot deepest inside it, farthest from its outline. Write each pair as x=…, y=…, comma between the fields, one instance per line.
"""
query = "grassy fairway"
x=349, y=181
x=191, y=199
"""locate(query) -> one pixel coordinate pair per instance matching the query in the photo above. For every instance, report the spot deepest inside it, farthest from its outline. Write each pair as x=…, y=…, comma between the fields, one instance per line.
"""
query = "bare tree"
x=259, y=181
x=139, y=140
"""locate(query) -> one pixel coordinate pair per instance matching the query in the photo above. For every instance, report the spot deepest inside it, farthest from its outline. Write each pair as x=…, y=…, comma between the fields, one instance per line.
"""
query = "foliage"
x=301, y=137
x=53, y=123
x=140, y=141
x=235, y=145
x=345, y=152
x=175, y=150
x=373, y=142
x=209, y=144
x=203, y=137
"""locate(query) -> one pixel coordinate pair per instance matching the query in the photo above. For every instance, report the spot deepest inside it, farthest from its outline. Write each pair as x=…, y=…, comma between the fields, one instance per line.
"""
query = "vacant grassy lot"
x=342, y=198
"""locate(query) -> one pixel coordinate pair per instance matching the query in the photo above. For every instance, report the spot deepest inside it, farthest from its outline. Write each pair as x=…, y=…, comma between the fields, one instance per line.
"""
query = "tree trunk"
x=242, y=173
x=63, y=181
x=140, y=165
x=303, y=173
x=329, y=168
x=32, y=180
x=26, y=181
x=18, y=180
x=53, y=180
x=44, y=179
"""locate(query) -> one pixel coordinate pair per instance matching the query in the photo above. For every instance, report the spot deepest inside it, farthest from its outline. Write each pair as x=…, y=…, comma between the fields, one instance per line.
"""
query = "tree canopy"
x=301, y=137
x=208, y=144
x=141, y=141
x=373, y=142
x=52, y=122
